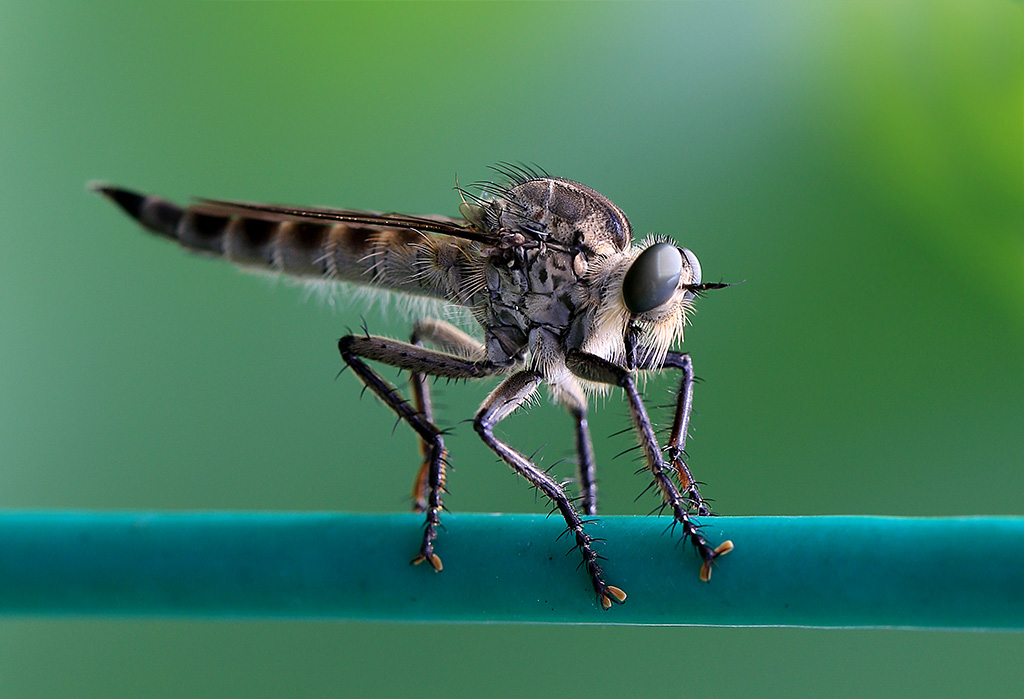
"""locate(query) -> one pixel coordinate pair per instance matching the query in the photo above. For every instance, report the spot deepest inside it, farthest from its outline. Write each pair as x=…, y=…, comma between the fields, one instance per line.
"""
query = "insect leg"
x=576, y=403
x=354, y=349
x=592, y=368
x=680, y=426
x=448, y=338
x=509, y=395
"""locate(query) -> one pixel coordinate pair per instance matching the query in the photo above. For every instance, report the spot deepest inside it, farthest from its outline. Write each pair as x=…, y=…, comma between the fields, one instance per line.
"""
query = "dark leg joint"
x=598, y=369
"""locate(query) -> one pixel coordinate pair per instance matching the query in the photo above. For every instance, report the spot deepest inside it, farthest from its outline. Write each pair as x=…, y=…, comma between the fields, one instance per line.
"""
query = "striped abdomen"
x=394, y=258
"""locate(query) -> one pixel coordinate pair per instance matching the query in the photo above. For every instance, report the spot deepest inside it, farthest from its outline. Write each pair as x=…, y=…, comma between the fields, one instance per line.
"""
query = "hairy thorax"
x=540, y=290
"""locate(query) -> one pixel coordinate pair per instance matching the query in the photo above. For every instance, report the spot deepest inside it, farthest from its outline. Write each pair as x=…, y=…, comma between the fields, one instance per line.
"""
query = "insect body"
x=548, y=269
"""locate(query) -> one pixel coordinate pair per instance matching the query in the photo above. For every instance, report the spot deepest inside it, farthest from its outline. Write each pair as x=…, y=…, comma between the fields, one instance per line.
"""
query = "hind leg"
x=446, y=337
x=355, y=349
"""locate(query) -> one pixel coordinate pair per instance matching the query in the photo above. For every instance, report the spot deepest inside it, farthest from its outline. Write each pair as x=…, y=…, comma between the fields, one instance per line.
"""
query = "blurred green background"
x=861, y=165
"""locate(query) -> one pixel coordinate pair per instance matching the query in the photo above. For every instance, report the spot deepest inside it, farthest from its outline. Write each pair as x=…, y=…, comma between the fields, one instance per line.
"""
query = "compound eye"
x=652, y=278
x=694, y=264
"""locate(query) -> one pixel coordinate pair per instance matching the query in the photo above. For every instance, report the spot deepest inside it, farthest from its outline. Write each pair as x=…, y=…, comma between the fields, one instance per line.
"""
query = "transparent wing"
x=432, y=224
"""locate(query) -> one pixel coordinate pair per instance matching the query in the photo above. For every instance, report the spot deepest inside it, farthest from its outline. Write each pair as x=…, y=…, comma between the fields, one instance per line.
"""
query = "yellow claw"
x=617, y=593
x=435, y=561
x=720, y=550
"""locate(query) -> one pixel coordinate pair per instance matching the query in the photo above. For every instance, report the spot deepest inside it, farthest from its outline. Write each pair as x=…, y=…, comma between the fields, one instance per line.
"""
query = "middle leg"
x=509, y=395
x=572, y=397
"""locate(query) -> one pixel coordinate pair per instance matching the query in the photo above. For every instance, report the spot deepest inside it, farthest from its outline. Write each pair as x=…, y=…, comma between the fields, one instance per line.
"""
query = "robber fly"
x=548, y=269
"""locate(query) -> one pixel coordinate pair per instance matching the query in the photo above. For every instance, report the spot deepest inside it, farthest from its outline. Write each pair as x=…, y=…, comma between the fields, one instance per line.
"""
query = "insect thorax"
x=556, y=231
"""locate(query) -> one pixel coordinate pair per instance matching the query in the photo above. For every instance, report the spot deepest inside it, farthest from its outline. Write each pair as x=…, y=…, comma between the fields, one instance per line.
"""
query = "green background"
x=860, y=165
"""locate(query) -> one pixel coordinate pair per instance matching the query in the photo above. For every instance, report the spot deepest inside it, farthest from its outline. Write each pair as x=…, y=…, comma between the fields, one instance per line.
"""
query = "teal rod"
x=846, y=571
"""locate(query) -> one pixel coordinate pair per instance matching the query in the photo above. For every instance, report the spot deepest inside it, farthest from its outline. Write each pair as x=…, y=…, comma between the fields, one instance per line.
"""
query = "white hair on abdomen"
x=341, y=296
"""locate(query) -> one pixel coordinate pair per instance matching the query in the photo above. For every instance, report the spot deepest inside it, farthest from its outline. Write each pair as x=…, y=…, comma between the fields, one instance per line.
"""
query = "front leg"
x=597, y=369
x=676, y=448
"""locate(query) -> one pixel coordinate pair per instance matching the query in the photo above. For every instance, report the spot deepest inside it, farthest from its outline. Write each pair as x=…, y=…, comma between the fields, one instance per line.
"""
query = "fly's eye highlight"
x=652, y=278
